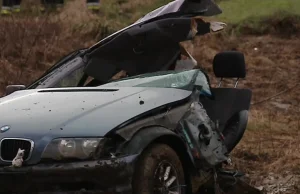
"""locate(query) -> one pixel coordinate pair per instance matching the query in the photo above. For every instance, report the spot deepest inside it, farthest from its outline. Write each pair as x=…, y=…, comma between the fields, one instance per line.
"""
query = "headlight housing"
x=63, y=148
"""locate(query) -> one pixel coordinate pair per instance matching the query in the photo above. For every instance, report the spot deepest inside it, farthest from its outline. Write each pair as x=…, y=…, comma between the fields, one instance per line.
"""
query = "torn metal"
x=217, y=26
x=186, y=61
x=191, y=122
x=167, y=116
x=193, y=32
x=202, y=136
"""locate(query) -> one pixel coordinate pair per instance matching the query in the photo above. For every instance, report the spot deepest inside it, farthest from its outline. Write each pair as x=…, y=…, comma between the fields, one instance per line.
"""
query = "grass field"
x=237, y=11
x=261, y=16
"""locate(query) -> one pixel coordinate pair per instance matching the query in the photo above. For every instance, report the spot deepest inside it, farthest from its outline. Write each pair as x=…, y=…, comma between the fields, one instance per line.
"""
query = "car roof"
x=151, y=43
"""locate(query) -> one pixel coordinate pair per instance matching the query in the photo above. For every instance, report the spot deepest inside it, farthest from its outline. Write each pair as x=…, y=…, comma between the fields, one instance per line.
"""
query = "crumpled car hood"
x=78, y=112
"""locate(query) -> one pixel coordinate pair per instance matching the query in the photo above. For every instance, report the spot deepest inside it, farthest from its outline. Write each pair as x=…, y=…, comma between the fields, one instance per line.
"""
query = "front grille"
x=10, y=147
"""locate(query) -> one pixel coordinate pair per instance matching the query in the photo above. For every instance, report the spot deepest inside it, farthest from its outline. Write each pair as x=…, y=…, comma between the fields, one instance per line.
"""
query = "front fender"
x=144, y=137
x=157, y=134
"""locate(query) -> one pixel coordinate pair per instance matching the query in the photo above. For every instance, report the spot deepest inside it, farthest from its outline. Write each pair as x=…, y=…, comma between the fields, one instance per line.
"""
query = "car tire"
x=159, y=171
x=235, y=129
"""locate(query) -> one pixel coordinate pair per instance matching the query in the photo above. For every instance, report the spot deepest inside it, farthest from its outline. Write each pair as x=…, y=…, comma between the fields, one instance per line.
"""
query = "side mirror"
x=12, y=88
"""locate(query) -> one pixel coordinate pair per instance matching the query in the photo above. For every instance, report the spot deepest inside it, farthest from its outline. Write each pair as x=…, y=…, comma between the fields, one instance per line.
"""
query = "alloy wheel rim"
x=166, y=179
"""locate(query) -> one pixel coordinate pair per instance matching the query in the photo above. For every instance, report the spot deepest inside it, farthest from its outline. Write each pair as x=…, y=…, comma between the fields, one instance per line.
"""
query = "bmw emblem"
x=4, y=128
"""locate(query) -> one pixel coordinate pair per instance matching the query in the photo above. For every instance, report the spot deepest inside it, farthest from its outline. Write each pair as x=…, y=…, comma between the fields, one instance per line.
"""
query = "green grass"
x=253, y=15
x=281, y=17
x=243, y=16
x=127, y=12
x=237, y=11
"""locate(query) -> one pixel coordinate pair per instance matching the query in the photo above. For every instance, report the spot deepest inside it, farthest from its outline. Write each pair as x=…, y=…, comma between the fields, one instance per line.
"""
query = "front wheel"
x=159, y=171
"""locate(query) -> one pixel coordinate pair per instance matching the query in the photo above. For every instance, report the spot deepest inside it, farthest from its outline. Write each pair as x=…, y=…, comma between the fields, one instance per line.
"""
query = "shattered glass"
x=201, y=80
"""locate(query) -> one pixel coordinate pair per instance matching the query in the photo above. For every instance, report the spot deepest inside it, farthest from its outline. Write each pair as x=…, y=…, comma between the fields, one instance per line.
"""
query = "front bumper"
x=109, y=176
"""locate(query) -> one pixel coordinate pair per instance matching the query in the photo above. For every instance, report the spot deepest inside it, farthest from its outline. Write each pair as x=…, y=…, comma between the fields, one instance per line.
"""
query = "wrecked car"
x=122, y=117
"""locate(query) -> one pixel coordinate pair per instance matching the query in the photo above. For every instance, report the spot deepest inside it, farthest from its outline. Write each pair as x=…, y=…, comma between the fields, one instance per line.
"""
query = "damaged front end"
x=104, y=171
x=185, y=119
x=98, y=176
x=202, y=136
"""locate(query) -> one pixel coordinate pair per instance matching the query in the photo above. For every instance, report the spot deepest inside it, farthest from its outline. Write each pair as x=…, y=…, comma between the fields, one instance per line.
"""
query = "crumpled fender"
x=157, y=134
x=146, y=136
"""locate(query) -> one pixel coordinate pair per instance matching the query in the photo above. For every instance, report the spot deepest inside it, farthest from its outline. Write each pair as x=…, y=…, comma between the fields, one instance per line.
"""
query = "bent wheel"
x=159, y=171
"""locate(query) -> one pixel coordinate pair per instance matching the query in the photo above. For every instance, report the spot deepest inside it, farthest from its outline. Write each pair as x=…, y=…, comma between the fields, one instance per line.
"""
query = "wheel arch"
x=146, y=137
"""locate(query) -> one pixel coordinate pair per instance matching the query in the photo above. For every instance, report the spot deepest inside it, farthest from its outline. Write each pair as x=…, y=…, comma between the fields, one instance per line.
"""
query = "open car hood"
x=151, y=43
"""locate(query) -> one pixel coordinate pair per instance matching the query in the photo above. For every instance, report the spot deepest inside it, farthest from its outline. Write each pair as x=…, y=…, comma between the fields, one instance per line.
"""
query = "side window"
x=201, y=80
x=71, y=80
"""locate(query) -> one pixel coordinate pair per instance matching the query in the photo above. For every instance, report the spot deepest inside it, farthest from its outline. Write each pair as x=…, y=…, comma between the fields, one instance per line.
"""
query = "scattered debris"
x=261, y=188
x=112, y=155
x=281, y=105
x=277, y=184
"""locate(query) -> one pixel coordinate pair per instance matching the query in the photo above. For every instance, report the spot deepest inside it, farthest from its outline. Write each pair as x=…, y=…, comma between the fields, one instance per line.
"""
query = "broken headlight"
x=79, y=148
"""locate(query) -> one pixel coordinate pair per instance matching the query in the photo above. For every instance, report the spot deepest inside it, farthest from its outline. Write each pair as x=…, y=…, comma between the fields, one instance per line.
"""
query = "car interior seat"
x=230, y=106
